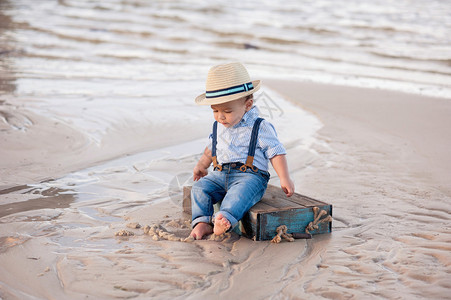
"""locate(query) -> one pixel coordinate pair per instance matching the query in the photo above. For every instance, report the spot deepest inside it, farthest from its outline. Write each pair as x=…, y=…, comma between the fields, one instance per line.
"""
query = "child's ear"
x=249, y=103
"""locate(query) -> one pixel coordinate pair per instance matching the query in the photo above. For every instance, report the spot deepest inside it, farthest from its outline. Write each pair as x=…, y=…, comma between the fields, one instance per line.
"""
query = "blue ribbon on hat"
x=230, y=91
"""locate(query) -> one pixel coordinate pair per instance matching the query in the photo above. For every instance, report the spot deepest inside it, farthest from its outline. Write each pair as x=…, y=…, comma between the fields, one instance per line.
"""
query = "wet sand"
x=385, y=166
x=380, y=159
x=37, y=148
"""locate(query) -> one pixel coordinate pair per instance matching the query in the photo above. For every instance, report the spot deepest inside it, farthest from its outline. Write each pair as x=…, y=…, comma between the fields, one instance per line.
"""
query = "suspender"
x=250, y=154
x=213, y=147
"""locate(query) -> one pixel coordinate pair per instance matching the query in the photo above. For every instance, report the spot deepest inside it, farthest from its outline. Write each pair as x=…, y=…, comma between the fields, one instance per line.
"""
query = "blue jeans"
x=237, y=190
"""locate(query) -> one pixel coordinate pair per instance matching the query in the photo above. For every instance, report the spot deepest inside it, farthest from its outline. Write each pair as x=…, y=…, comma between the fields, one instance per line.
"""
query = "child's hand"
x=279, y=162
x=199, y=172
x=287, y=186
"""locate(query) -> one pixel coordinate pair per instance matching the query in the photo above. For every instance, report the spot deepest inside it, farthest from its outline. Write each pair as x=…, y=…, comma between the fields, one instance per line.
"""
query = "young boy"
x=240, y=149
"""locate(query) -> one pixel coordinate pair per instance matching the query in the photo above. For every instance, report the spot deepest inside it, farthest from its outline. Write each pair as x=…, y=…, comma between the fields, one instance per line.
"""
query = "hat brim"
x=203, y=100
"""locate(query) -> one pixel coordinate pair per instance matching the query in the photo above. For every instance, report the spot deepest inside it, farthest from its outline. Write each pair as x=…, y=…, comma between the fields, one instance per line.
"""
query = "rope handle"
x=318, y=214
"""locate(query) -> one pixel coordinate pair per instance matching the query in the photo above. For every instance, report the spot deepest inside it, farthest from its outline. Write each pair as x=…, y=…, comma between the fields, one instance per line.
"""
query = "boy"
x=243, y=144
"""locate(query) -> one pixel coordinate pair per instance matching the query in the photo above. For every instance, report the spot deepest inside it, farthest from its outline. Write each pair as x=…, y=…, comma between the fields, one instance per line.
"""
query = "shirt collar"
x=249, y=117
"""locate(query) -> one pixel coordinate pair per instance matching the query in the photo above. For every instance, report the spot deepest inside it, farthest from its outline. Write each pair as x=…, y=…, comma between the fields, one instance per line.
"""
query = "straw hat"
x=226, y=83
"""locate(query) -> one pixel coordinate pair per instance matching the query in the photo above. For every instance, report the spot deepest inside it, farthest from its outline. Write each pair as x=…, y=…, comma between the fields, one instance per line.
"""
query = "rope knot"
x=317, y=219
x=282, y=233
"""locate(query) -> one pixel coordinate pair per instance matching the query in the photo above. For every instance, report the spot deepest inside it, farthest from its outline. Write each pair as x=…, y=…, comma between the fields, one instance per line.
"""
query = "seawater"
x=101, y=64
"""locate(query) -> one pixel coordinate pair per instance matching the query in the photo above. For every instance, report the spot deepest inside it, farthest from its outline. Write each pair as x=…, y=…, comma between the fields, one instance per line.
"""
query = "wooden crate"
x=275, y=209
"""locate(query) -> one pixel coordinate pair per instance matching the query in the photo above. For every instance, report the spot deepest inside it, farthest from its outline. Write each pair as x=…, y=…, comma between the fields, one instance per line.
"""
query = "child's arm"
x=200, y=170
x=279, y=163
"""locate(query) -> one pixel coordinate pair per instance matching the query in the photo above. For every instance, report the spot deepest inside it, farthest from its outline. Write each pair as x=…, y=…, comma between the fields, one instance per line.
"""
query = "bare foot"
x=201, y=230
x=221, y=224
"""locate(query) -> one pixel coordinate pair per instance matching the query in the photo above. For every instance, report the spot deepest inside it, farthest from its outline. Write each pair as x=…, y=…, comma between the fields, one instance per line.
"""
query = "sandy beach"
x=380, y=159
x=99, y=132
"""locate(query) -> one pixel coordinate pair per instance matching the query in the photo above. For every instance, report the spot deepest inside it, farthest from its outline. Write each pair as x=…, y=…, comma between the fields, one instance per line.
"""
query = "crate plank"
x=273, y=193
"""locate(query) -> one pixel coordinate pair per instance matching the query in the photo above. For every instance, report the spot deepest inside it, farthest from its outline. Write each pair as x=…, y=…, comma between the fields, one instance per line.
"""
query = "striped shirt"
x=233, y=143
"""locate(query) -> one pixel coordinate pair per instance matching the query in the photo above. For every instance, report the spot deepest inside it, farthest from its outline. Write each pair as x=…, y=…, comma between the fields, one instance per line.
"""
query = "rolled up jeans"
x=237, y=190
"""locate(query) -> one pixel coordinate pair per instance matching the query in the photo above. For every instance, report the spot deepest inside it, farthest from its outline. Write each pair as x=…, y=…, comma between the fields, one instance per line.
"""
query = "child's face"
x=230, y=113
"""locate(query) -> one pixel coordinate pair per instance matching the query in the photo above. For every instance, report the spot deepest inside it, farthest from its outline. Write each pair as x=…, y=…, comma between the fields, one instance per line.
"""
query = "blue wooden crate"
x=273, y=210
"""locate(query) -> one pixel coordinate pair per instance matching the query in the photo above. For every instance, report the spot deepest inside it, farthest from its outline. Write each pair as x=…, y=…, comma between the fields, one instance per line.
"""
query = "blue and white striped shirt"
x=233, y=142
